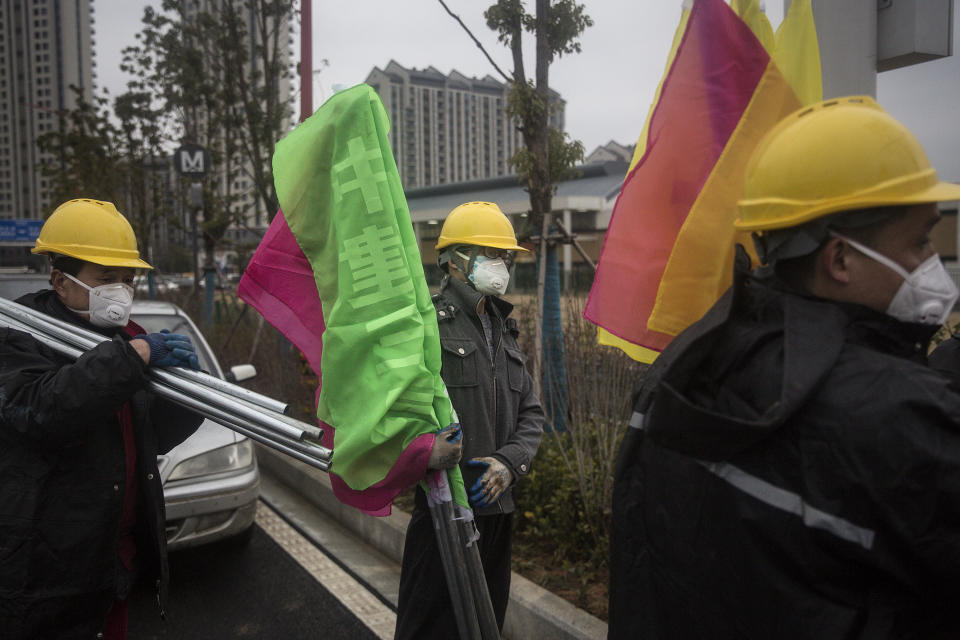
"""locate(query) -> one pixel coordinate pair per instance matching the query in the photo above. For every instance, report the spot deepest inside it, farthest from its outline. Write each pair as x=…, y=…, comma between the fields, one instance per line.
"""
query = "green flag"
x=381, y=390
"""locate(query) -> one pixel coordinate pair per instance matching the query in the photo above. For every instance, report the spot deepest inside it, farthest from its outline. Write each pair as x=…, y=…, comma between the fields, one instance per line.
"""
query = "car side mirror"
x=241, y=372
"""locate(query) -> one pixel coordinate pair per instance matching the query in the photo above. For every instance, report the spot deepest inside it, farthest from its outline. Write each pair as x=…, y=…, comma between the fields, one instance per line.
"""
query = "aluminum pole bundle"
x=466, y=582
x=256, y=416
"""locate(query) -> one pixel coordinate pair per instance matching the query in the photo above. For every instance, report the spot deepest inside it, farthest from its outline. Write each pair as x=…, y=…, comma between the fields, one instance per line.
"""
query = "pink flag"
x=279, y=284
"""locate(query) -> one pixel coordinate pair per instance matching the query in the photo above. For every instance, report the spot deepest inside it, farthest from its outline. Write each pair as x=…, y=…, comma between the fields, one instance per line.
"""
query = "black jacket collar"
x=768, y=345
x=865, y=326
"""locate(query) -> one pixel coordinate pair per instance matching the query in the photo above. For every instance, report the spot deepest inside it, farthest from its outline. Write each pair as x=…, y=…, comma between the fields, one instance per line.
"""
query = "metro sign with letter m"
x=191, y=160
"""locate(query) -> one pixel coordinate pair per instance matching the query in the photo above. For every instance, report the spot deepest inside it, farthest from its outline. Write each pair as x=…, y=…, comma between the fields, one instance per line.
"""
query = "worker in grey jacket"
x=501, y=416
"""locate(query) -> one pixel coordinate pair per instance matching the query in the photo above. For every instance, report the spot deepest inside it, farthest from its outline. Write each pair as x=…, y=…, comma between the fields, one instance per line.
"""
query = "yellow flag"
x=635, y=351
x=797, y=53
x=751, y=13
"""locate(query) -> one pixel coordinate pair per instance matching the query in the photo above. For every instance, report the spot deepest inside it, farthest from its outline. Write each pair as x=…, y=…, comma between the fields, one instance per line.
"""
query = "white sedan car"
x=211, y=482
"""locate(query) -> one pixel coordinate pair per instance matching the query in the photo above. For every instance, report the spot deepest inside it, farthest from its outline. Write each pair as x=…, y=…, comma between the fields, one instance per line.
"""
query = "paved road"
x=277, y=586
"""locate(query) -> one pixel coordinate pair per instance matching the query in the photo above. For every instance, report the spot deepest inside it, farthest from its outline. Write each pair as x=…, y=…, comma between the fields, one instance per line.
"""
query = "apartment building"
x=449, y=128
x=46, y=46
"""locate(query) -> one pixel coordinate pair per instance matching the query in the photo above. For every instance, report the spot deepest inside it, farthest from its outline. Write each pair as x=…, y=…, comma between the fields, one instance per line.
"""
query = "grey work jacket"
x=498, y=409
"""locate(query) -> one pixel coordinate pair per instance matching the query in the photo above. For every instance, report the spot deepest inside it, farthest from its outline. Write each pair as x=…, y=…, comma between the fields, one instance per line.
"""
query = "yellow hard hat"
x=839, y=155
x=93, y=231
x=479, y=223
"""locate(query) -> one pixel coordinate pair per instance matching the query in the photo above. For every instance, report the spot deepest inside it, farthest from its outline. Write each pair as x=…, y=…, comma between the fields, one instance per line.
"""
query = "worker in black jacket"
x=81, y=504
x=792, y=466
x=502, y=420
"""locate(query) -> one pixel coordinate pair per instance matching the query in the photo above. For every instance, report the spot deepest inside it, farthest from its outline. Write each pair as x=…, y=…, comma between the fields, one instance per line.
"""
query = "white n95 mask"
x=926, y=295
x=109, y=305
x=490, y=275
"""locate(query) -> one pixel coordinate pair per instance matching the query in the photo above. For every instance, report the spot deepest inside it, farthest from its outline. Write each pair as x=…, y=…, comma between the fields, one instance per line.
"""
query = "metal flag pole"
x=231, y=406
x=440, y=503
x=466, y=582
x=84, y=339
x=486, y=617
x=229, y=397
x=460, y=601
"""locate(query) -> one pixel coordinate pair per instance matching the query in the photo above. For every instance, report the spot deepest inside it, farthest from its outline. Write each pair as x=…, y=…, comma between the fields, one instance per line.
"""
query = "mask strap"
x=88, y=288
x=875, y=255
x=471, y=260
x=93, y=290
x=86, y=311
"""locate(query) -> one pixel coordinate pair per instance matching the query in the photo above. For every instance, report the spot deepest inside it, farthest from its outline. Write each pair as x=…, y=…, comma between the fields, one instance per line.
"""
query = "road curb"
x=533, y=612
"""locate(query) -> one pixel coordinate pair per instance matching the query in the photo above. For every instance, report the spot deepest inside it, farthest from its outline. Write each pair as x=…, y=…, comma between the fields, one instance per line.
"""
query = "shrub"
x=552, y=512
x=567, y=497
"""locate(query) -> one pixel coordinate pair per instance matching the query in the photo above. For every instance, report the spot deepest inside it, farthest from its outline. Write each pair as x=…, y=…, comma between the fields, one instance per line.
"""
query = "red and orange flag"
x=668, y=252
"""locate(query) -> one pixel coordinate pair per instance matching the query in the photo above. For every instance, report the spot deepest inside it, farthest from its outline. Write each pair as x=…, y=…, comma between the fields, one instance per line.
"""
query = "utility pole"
x=191, y=161
x=306, y=60
x=195, y=202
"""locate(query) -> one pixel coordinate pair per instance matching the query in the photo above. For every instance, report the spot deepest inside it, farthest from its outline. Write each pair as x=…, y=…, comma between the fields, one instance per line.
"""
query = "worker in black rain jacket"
x=81, y=504
x=792, y=465
x=485, y=373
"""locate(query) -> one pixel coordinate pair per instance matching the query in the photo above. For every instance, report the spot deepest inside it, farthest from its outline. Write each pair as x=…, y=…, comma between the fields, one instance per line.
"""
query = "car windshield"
x=175, y=324
x=14, y=285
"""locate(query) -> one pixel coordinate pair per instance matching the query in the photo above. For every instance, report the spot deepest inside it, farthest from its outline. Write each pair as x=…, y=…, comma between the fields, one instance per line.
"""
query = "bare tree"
x=105, y=149
x=548, y=157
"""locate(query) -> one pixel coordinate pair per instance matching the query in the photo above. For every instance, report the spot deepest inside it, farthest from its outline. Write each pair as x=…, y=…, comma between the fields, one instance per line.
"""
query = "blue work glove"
x=170, y=350
x=490, y=486
x=447, y=448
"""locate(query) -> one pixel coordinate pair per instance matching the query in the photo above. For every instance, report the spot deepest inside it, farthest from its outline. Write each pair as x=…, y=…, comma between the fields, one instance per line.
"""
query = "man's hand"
x=447, y=448
x=167, y=350
x=491, y=485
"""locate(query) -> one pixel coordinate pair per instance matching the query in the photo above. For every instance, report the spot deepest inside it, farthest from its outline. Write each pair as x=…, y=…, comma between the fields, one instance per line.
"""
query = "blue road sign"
x=19, y=231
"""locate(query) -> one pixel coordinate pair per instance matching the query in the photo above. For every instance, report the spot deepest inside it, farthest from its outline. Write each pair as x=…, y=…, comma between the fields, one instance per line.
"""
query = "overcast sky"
x=608, y=87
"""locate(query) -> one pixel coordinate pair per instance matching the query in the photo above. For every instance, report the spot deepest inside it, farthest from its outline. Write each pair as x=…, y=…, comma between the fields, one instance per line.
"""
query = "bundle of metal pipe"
x=254, y=415
x=469, y=596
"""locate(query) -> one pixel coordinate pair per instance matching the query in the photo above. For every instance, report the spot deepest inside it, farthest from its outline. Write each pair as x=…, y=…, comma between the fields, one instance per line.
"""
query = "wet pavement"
x=275, y=584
